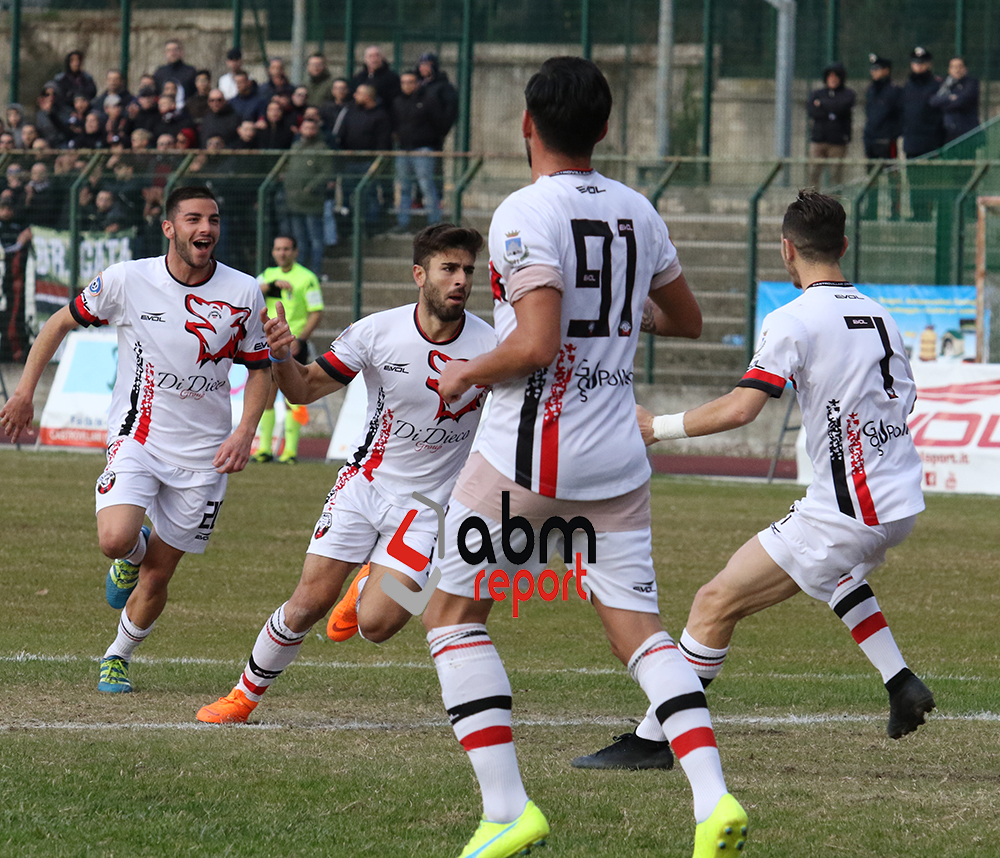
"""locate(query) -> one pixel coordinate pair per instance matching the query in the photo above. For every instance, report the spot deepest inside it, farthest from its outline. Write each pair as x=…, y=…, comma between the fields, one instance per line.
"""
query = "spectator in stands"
x=221, y=120
x=318, y=80
x=378, y=74
x=277, y=81
x=7, y=142
x=13, y=185
x=73, y=81
x=187, y=138
x=333, y=110
x=366, y=126
x=110, y=215
x=114, y=84
x=15, y=239
x=197, y=105
x=246, y=135
x=305, y=179
x=300, y=101
x=140, y=139
x=234, y=64
x=923, y=123
x=175, y=92
x=146, y=79
x=15, y=122
x=958, y=99
x=175, y=69
x=75, y=120
x=248, y=102
x=145, y=113
x=48, y=120
x=883, y=110
x=86, y=208
x=92, y=136
x=42, y=203
x=115, y=120
x=274, y=130
x=171, y=119
x=830, y=108
x=417, y=119
x=29, y=134
x=435, y=82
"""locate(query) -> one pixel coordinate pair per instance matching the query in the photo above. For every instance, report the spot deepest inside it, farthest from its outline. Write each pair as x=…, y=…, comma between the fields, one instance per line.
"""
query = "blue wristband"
x=278, y=360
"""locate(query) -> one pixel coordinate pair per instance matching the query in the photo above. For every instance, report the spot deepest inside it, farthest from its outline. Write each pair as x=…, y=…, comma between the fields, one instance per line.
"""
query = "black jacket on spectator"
x=830, y=110
x=923, y=125
x=439, y=87
x=366, y=129
x=196, y=106
x=179, y=71
x=417, y=120
x=51, y=128
x=270, y=89
x=125, y=96
x=70, y=85
x=279, y=136
x=883, y=118
x=44, y=205
x=222, y=124
x=148, y=119
x=333, y=115
x=385, y=81
x=958, y=100
x=171, y=123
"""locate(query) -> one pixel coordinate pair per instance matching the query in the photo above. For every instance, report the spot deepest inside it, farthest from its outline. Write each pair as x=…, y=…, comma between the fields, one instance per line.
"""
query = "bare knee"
x=300, y=617
x=379, y=629
x=116, y=542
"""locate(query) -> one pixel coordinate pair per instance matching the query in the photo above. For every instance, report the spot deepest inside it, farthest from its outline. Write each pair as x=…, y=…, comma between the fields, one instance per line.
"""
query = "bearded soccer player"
x=413, y=441
x=577, y=260
x=182, y=320
x=847, y=362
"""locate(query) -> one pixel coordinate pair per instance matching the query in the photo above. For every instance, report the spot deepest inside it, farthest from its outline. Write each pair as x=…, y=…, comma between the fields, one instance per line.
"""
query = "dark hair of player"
x=181, y=195
x=444, y=236
x=814, y=224
x=569, y=101
x=291, y=238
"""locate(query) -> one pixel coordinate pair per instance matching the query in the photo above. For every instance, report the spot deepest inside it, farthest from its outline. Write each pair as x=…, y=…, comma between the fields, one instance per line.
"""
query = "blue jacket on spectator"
x=958, y=100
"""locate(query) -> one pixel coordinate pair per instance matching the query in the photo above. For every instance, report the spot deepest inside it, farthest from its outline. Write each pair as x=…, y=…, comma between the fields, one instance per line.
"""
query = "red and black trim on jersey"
x=138, y=417
x=336, y=368
x=78, y=310
x=524, y=446
x=759, y=379
x=259, y=359
x=496, y=284
x=451, y=339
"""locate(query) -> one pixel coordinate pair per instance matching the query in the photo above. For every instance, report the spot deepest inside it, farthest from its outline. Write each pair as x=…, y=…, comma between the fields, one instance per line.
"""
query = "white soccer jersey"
x=845, y=356
x=569, y=430
x=413, y=440
x=176, y=344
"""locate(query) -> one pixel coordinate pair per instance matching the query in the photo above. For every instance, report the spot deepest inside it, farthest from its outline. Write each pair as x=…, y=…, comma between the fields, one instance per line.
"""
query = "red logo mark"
x=220, y=327
x=437, y=360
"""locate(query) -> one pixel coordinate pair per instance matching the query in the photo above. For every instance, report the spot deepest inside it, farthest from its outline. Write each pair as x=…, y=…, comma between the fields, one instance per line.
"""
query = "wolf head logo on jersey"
x=219, y=327
x=437, y=360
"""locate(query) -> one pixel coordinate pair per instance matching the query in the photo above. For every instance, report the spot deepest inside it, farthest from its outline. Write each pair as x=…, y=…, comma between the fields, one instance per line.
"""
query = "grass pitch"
x=351, y=754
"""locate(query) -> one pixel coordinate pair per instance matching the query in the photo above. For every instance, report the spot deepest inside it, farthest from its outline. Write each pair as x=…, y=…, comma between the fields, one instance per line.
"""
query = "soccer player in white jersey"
x=182, y=320
x=846, y=360
x=577, y=261
x=413, y=441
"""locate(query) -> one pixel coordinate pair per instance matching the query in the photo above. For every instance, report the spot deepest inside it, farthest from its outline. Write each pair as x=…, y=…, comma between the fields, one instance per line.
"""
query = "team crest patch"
x=514, y=250
x=105, y=483
x=325, y=522
x=96, y=285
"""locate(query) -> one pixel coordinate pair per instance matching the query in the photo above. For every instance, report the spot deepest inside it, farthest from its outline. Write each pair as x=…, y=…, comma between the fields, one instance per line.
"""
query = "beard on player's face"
x=437, y=307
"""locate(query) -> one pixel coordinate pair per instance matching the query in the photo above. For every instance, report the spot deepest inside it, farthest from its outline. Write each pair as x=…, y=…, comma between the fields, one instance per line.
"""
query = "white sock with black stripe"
x=128, y=638
x=707, y=662
x=276, y=647
x=679, y=700
x=476, y=692
x=855, y=604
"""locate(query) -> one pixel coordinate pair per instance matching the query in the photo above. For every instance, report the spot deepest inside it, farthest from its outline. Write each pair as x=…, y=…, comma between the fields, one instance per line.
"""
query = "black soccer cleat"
x=909, y=701
x=629, y=752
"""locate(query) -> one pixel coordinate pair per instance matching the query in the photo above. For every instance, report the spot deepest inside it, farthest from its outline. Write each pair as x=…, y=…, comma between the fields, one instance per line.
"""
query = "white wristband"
x=668, y=427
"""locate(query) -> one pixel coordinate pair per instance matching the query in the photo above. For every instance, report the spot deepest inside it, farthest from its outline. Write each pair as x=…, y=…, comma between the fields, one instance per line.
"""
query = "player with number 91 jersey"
x=846, y=358
x=574, y=421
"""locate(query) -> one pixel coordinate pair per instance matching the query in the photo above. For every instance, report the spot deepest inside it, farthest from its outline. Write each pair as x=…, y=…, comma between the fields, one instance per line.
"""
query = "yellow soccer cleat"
x=724, y=832
x=343, y=622
x=505, y=839
x=234, y=708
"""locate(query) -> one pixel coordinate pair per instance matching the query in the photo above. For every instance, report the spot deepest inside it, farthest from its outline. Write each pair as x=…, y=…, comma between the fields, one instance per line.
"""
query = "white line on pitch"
x=373, y=726
x=418, y=665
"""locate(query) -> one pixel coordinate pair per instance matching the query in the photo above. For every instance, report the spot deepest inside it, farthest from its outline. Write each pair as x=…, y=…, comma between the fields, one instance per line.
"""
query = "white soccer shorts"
x=816, y=546
x=357, y=525
x=182, y=504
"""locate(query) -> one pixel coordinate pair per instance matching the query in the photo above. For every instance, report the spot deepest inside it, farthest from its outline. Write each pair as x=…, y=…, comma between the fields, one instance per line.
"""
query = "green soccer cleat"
x=506, y=839
x=122, y=578
x=724, y=832
x=262, y=457
x=114, y=676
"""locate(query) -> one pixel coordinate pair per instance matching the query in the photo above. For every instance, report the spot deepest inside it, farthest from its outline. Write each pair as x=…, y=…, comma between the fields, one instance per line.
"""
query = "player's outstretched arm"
x=672, y=311
x=737, y=408
x=300, y=384
x=533, y=344
x=19, y=410
x=234, y=453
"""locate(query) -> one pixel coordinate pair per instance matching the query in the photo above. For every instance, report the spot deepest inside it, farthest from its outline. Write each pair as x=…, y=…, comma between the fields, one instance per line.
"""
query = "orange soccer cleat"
x=234, y=708
x=343, y=622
